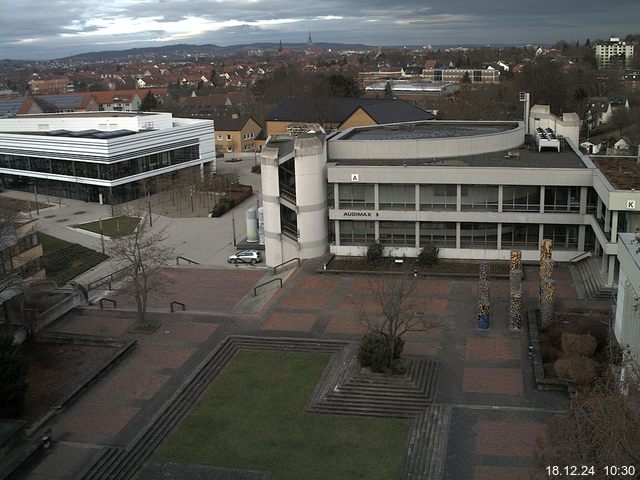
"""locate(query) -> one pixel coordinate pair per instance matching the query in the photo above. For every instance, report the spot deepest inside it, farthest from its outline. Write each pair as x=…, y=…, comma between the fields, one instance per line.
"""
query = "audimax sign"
x=359, y=213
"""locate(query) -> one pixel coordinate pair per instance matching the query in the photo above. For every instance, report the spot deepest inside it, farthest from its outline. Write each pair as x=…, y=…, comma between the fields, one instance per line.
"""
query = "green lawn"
x=112, y=227
x=253, y=417
x=63, y=261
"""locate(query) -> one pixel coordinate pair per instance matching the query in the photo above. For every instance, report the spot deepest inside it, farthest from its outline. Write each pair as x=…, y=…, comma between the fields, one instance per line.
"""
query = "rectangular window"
x=397, y=197
x=438, y=197
x=228, y=137
x=479, y=235
x=520, y=235
x=562, y=199
x=220, y=137
x=356, y=197
x=357, y=233
x=521, y=198
x=480, y=197
x=398, y=234
x=565, y=237
x=441, y=234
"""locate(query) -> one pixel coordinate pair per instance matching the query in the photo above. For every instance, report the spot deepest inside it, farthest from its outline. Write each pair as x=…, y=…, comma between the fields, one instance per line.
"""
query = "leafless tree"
x=601, y=427
x=141, y=254
x=402, y=311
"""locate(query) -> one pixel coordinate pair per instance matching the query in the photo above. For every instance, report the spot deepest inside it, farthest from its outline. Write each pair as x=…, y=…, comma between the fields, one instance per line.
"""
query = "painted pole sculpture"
x=515, y=290
x=546, y=265
x=483, y=298
x=546, y=305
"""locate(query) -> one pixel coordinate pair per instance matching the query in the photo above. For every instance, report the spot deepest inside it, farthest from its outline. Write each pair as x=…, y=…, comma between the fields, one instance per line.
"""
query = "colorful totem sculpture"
x=546, y=304
x=483, y=297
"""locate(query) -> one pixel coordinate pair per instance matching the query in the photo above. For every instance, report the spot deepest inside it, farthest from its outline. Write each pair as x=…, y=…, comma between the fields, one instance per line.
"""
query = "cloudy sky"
x=44, y=29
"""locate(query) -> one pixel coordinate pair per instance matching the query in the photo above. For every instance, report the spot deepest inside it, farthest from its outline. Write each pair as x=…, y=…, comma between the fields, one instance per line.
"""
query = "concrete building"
x=100, y=156
x=457, y=75
x=475, y=189
x=614, y=49
x=627, y=318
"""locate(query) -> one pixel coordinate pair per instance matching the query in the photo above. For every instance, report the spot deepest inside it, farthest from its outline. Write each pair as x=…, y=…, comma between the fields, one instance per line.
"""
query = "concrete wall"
x=568, y=126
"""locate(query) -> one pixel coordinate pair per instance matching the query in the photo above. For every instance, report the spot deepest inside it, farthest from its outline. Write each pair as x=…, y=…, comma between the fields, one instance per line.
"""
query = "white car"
x=246, y=256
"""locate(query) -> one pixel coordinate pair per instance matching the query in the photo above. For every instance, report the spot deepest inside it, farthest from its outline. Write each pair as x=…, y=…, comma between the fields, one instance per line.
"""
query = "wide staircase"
x=588, y=273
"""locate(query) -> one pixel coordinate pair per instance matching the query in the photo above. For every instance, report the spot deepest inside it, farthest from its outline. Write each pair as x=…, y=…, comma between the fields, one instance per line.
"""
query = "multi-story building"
x=100, y=156
x=51, y=87
x=457, y=75
x=20, y=250
x=613, y=50
x=236, y=134
x=626, y=326
x=475, y=189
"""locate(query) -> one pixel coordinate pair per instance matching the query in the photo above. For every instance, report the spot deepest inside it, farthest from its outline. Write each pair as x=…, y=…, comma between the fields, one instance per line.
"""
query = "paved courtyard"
x=486, y=376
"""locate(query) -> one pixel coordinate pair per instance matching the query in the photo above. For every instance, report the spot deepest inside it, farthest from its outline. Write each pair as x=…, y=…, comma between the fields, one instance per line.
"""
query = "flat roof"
x=527, y=156
x=89, y=114
x=623, y=173
x=436, y=129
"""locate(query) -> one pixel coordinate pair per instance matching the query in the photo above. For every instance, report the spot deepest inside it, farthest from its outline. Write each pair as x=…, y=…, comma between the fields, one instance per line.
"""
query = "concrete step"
x=427, y=445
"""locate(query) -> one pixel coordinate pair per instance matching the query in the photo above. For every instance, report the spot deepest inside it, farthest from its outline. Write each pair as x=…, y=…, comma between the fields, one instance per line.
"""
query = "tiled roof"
x=338, y=109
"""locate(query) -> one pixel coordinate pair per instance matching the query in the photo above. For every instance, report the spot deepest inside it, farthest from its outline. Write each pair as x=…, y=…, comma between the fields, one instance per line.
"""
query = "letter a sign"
x=355, y=177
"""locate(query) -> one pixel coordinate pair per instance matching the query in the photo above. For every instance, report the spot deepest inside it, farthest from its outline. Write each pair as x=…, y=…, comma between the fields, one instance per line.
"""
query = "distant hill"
x=182, y=50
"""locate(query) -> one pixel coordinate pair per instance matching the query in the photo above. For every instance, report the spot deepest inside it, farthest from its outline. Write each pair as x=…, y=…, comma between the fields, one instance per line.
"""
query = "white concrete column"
x=336, y=231
x=581, y=237
x=417, y=242
x=376, y=230
x=614, y=226
x=458, y=199
x=612, y=271
x=599, y=208
x=583, y=200
x=540, y=233
x=500, y=196
x=607, y=220
x=417, y=197
x=458, y=234
x=376, y=199
x=336, y=196
x=541, y=201
x=499, y=239
x=603, y=265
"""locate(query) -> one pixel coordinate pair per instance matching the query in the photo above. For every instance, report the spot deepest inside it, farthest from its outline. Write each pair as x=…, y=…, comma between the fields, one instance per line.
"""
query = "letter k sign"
x=631, y=204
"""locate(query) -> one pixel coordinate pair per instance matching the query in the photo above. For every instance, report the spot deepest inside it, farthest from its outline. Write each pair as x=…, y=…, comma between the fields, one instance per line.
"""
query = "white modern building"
x=613, y=49
x=627, y=319
x=475, y=189
x=100, y=156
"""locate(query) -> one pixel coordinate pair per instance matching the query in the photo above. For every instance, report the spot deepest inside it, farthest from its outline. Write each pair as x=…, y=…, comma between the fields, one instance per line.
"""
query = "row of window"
x=473, y=197
x=103, y=171
x=472, y=235
x=245, y=136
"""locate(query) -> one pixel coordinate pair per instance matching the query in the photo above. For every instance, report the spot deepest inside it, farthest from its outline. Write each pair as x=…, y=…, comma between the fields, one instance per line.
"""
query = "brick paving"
x=496, y=381
x=485, y=376
x=516, y=439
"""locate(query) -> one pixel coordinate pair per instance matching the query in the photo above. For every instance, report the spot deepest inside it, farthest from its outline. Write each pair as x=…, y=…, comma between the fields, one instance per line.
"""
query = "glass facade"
x=102, y=171
x=438, y=197
x=397, y=196
x=520, y=235
x=480, y=197
x=521, y=198
x=562, y=199
x=357, y=233
x=479, y=235
x=398, y=234
x=356, y=197
x=565, y=237
x=441, y=234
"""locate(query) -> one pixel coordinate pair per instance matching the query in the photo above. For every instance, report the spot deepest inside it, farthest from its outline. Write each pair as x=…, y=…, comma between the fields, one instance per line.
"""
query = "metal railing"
x=113, y=303
x=255, y=289
x=172, y=304
x=186, y=260
x=107, y=279
x=582, y=256
x=275, y=269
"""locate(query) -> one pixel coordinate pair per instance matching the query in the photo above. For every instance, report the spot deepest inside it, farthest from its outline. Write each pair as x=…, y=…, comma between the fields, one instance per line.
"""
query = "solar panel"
x=64, y=102
x=59, y=133
x=84, y=133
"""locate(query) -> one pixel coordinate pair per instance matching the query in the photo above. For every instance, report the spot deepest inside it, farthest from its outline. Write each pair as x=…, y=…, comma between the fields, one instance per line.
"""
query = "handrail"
x=103, y=280
x=284, y=263
x=255, y=289
x=177, y=303
x=114, y=303
x=184, y=258
x=583, y=254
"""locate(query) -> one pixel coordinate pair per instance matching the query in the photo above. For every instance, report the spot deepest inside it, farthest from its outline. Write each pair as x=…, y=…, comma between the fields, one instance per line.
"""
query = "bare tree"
x=601, y=427
x=402, y=311
x=141, y=254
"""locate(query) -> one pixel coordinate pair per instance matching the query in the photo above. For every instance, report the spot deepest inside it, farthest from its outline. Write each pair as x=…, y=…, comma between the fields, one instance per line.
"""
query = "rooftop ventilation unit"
x=546, y=138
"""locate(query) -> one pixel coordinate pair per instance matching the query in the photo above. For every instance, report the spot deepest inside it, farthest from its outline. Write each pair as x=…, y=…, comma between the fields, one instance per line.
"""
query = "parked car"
x=246, y=256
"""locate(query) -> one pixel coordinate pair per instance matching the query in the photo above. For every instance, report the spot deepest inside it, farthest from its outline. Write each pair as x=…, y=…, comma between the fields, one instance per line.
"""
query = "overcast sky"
x=44, y=29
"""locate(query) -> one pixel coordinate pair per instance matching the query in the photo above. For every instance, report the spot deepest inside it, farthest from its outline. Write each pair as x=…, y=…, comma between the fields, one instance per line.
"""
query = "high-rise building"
x=607, y=52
